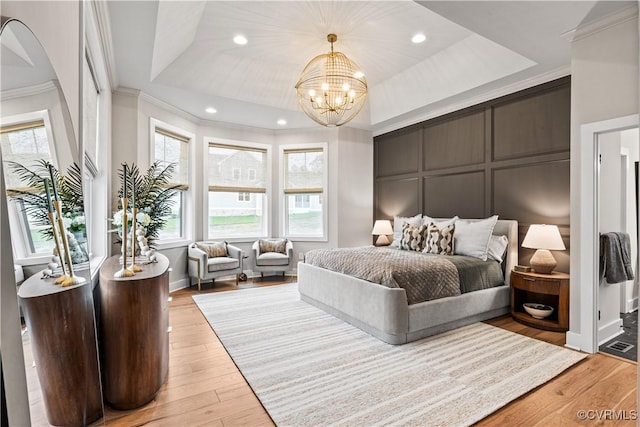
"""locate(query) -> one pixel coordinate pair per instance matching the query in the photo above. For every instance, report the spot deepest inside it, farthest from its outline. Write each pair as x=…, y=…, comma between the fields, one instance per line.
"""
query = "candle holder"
x=124, y=271
x=64, y=276
x=133, y=267
x=68, y=279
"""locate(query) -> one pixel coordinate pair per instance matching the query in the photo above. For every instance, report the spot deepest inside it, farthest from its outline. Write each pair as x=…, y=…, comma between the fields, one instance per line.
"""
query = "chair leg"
x=261, y=276
x=198, y=283
x=237, y=275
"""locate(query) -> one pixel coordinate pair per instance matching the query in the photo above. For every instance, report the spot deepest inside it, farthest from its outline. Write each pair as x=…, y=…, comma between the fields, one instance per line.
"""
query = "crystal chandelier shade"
x=332, y=89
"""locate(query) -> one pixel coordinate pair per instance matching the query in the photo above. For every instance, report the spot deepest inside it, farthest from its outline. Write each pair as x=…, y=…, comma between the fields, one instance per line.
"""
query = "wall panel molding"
x=509, y=156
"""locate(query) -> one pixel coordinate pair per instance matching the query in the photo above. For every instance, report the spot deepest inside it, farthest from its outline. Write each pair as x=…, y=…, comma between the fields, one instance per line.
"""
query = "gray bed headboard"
x=508, y=228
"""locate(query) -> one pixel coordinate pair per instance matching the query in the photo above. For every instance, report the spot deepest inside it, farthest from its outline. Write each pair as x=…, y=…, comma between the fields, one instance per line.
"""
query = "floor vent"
x=620, y=346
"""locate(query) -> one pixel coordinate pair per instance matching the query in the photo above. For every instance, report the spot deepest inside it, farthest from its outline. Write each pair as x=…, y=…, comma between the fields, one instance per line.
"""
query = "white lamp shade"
x=542, y=236
x=382, y=226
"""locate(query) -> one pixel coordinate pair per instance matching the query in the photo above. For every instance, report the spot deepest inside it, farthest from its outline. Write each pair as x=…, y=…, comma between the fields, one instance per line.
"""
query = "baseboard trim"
x=179, y=284
x=575, y=341
x=609, y=331
x=632, y=305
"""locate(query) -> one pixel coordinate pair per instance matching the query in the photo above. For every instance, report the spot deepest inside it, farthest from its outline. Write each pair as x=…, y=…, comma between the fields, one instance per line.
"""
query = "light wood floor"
x=204, y=386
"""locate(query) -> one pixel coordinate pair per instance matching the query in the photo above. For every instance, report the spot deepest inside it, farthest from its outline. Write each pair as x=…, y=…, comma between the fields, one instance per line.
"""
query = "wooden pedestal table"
x=134, y=334
x=61, y=326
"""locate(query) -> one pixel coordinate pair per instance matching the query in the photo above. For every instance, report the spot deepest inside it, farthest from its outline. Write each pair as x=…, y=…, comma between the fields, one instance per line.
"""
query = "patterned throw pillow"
x=277, y=245
x=413, y=238
x=439, y=240
x=214, y=249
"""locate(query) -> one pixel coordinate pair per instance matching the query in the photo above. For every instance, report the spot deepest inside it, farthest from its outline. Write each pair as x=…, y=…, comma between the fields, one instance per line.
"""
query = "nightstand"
x=550, y=289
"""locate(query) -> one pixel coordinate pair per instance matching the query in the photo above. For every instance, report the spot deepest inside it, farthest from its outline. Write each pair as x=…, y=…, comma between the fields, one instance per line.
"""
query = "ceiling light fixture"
x=211, y=110
x=282, y=122
x=332, y=89
x=240, y=39
x=418, y=38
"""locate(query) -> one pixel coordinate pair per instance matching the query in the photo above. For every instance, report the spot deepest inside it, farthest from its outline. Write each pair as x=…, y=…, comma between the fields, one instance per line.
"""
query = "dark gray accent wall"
x=509, y=156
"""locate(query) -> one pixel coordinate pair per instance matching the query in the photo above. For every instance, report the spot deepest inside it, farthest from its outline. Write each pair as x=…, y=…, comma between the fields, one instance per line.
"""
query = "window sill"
x=33, y=260
x=307, y=239
x=170, y=244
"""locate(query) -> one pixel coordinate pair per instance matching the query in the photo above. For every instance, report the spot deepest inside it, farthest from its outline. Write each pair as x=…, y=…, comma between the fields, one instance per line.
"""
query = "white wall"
x=350, y=170
x=604, y=85
x=630, y=142
x=609, y=218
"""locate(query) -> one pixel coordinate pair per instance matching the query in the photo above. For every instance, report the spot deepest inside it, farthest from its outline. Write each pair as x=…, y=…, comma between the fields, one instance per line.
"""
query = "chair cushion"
x=213, y=249
x=222, y=263
x=272, y=258
x=273, y=245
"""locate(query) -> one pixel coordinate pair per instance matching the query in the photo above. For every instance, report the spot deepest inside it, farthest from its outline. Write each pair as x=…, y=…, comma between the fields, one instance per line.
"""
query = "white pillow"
x=440, y=223
x=497, y=247
x=472, y=238
x=398, y=222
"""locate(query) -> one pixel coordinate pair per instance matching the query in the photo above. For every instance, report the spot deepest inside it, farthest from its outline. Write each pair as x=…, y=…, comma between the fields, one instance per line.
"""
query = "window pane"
x=238, y=168
x=90, y=114
x=172, y=150
x=304, y=215
x=38, y=244
x=230, y=217
x=303, y=169
x=173, y=227
x=25, y=146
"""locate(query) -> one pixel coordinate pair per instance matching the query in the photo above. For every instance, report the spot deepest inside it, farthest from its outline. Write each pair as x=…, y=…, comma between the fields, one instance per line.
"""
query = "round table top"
x=37, y=286
x=112, y=265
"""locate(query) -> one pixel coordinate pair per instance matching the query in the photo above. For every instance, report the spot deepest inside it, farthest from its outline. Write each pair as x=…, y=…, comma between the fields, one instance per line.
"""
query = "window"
x=304, y=182
x=172, y=148
x=302, y=201
x=25, y=143
x=237, y=197
x=91, y=92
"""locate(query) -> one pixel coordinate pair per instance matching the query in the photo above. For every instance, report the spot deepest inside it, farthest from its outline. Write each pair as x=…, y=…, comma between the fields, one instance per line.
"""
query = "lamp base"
x=543, y=262
x=383, y=240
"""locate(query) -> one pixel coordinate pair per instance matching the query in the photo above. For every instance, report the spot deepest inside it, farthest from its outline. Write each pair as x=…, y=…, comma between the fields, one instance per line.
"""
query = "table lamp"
x=382, y=228
x=543, y=238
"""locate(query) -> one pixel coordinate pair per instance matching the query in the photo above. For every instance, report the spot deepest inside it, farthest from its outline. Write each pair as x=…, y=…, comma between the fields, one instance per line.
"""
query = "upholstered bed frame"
x=384, y=313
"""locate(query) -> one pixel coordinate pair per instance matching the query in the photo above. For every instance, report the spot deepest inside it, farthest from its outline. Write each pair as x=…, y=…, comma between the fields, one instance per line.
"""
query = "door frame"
x=587, y=338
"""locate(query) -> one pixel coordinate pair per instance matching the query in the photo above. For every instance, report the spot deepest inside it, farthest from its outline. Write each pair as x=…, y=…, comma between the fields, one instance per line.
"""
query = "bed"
x=385, y=313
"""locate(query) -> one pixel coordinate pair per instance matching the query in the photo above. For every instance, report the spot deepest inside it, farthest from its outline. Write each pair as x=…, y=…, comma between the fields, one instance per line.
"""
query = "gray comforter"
x=424, y=277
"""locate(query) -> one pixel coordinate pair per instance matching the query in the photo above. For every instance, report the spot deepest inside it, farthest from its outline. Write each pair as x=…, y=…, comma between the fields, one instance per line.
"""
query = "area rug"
x=309, y=368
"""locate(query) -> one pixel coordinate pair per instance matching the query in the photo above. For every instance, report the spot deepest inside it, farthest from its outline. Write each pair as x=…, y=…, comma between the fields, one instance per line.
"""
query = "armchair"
x=211, y=260
x=272, y=255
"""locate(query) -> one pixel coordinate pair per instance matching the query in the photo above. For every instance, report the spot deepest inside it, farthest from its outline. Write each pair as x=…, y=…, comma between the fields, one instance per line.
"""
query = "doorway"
x=617, y=299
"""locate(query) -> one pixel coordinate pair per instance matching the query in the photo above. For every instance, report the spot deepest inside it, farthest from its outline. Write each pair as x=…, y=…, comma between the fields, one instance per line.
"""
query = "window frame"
x=268, y=203
x=22, y=252
x=283, y=196
x=187, y=194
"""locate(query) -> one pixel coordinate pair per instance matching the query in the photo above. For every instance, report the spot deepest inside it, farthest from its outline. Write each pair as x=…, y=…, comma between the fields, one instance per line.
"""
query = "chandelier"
x=332, y=88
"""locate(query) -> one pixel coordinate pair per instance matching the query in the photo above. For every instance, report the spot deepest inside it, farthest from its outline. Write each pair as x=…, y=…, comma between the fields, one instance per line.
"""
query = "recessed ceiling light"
x=211, y=110
x=418, y=38
x=240, y=39
x=282, y=122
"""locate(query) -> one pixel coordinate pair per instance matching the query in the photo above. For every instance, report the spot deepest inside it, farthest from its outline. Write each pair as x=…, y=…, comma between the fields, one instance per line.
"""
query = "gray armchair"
x=277, y=259
x=204, y=266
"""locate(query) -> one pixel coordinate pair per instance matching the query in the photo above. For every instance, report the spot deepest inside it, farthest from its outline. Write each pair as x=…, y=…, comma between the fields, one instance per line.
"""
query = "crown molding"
x=611, y=20
x=21, y=92
x=470, y=102
x=126, y=91
x=101, y=15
